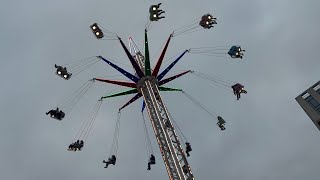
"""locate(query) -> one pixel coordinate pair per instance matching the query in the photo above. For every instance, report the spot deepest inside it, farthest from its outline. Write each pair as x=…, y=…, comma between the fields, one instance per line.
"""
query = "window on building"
x=317, y=87
x=313, y=103
x=305, y=95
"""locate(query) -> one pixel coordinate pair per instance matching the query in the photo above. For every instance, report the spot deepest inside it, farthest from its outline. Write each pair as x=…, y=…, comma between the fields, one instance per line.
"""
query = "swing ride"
x=146, y=83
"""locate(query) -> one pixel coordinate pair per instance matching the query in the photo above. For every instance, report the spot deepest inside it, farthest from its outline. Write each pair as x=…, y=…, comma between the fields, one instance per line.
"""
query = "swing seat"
x=58, y=115
x=62, y=72
x=207, y=21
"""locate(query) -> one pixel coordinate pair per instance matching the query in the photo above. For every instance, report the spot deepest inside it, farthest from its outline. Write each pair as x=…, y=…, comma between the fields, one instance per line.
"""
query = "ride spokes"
x=148, y=82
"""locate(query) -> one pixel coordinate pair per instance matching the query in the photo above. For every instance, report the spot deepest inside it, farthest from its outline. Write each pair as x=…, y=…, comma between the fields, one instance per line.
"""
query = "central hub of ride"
x=152, y=79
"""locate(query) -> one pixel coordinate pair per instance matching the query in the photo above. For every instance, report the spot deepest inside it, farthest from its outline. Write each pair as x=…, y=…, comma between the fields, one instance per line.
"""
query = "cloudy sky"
x=268, y=135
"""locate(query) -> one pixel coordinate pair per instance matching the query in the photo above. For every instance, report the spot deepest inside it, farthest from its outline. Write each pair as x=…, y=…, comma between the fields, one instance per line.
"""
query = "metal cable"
x=199, y=104
x=149, y=145
x=114, y=146
x=94, y=117
x=78, y=97
x=75, y=94
x=179, y=130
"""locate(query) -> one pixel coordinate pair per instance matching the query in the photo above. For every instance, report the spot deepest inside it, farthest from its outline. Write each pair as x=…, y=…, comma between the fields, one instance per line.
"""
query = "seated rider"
x=66, y=72
x=152, y=160
x=111, y=160
x=160, y=12
x=76, y=146
x=62, y=71
x=158, y=5
x=168, y=124
x=236, y=52
x=59, y=114
x=238, y=89
x=53, y=112
x=50, y=112
x=239, y=55
x=205, y=24
x=243, y=91
x=221, y=123
x=77, y=143
x=188, y=148
x=185, y=169
x=235, y=89
x=80, y=145
x=71, y=147
x=207, y=21
x=58, y=67
x=154, y=8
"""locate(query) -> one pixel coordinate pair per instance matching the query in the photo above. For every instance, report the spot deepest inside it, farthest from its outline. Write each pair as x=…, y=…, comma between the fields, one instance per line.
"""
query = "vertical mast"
x=172, y=153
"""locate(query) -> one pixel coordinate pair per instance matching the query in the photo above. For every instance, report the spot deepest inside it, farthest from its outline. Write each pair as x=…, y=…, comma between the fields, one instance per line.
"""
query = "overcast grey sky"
x=268, y=135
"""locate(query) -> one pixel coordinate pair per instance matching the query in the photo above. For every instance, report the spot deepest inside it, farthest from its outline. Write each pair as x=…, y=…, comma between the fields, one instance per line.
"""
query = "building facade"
x=310, y=103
